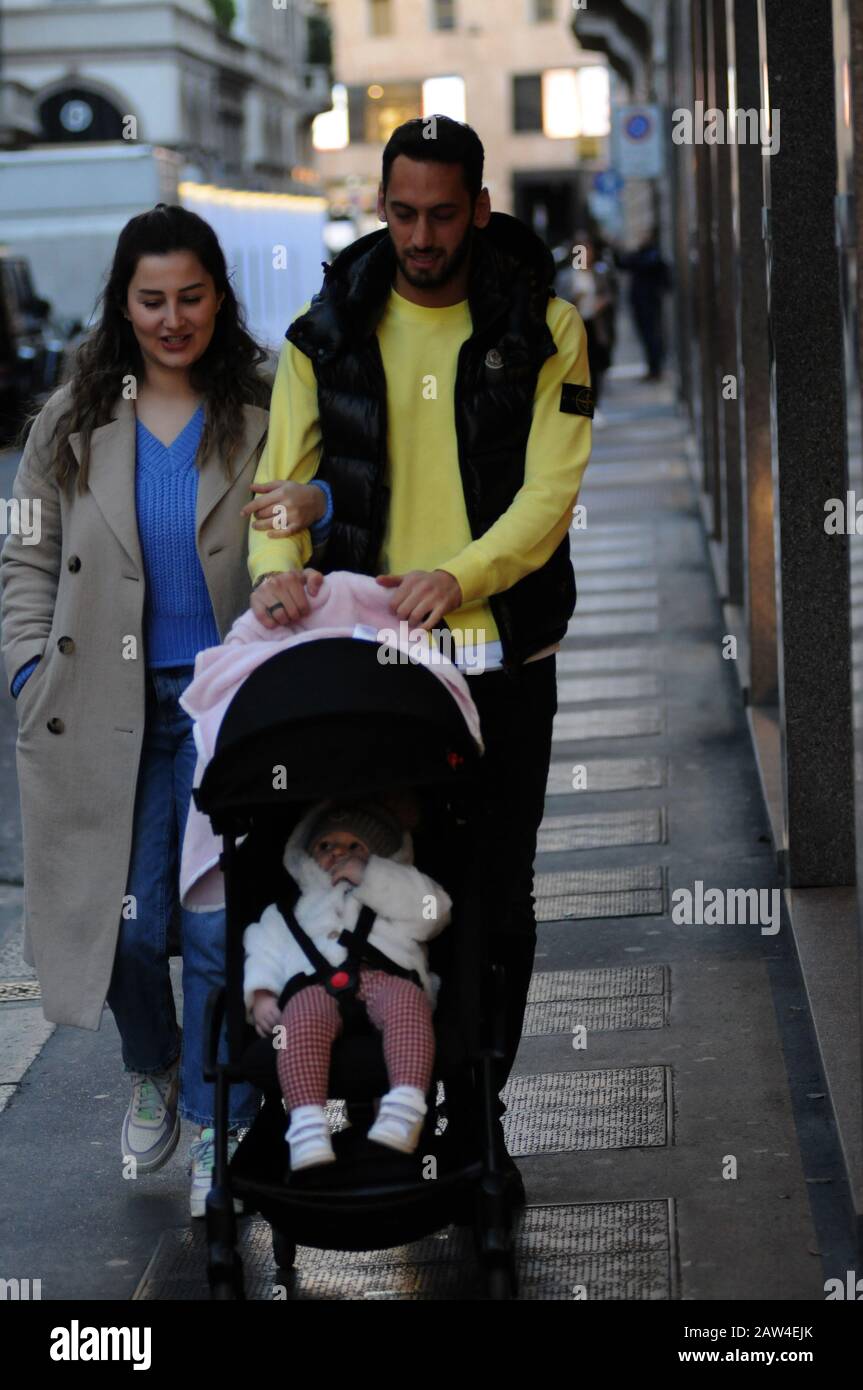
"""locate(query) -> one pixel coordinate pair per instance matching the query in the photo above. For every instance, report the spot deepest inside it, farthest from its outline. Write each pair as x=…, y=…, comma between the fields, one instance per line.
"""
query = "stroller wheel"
x=230, y=1288
x=284, y=1250
x=501, y=1281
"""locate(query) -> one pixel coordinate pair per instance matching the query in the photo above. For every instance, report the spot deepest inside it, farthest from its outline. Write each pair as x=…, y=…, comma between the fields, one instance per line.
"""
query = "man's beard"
x=431, y=279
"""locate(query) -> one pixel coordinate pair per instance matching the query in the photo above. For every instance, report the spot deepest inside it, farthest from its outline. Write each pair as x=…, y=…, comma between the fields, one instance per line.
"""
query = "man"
x=651, y=278
x=445, y=400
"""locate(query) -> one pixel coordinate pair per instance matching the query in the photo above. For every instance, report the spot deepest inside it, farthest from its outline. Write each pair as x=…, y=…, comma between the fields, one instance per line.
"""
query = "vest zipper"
x=379, y=512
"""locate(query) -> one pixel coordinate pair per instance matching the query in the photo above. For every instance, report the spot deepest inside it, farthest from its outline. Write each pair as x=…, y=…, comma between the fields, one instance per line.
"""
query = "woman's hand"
x=265, y=1012
x=284, y=508
x=284, y=598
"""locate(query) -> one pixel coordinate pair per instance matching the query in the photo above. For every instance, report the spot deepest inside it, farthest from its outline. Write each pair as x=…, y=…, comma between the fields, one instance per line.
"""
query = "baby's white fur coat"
x=392, y=888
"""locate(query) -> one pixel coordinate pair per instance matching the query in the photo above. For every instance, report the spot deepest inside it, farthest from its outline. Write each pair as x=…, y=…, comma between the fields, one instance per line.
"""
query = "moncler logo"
x=493, y=358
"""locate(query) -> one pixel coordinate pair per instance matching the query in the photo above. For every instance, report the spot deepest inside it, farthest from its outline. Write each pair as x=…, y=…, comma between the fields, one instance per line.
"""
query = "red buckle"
x=340, y=980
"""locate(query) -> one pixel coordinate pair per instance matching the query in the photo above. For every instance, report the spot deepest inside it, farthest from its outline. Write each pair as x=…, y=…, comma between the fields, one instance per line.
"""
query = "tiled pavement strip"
x=622, y=1142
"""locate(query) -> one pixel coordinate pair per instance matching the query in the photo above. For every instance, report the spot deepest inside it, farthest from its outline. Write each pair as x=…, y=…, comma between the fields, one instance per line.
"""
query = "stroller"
x=344, y=725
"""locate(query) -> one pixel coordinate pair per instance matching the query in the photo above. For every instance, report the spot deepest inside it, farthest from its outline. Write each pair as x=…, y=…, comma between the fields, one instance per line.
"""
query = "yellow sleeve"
x=558, y=448
x=291, y=453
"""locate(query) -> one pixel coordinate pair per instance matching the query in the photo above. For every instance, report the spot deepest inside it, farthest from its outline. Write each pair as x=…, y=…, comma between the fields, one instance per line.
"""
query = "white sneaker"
x=151, y=1127
x=309, y=1137
x=400, y=1119
x=202, y=1165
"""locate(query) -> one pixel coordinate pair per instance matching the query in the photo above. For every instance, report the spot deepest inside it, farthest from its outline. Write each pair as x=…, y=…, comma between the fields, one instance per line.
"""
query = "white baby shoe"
x=400, y=1119
x=309, y=1137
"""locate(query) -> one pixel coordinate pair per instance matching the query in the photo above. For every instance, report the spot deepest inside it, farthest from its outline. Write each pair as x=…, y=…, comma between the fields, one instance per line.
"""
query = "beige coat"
x=75, y=599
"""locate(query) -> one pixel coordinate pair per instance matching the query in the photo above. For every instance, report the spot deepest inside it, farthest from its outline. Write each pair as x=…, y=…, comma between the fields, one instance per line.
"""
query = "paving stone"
x=23, y=1033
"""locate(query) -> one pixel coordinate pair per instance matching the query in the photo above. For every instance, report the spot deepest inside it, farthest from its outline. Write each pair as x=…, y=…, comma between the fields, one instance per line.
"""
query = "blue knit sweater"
x=178, y=614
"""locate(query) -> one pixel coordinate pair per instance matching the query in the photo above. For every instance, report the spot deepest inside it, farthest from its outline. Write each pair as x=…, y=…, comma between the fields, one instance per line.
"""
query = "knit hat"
x=373, y=824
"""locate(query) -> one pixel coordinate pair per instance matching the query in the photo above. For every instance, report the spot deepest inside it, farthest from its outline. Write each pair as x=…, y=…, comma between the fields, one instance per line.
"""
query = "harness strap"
x=340, y=981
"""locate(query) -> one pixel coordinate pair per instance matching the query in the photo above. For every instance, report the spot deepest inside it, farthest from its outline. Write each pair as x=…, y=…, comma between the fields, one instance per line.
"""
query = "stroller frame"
x=373, y=1214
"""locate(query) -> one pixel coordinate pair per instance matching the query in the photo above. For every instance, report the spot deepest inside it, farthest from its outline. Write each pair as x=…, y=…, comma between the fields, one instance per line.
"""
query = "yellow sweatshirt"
x=427, y=524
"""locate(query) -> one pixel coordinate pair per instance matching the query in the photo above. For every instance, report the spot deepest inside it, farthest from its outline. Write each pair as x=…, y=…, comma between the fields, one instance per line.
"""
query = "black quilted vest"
x=498, y=365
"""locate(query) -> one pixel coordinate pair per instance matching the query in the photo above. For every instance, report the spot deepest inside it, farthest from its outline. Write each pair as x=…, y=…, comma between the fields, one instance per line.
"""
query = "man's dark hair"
x=442, y=140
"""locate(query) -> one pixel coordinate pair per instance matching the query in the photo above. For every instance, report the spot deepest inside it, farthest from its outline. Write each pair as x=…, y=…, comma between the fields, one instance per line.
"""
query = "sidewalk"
x=627, y=1144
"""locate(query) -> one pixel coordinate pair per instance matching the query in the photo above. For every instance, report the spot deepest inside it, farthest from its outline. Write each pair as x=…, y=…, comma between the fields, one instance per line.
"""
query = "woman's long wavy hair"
x=226, y=372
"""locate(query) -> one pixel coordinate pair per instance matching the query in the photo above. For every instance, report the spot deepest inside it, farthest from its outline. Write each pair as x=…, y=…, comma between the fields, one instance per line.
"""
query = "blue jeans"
x=140, y=995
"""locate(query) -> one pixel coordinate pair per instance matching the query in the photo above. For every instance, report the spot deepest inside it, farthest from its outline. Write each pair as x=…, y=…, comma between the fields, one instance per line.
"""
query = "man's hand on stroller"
x=283, y=598
x=422, y=597
x=265, y=1012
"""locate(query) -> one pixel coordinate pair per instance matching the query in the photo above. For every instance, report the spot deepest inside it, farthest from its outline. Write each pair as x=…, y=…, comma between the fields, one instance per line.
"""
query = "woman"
x=589, y=288
x=141, y=468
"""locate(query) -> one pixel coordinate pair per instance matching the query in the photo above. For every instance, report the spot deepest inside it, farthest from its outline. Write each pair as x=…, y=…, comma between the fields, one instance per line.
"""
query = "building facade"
x=230, y=85
x=762, y=216
x=514, y=70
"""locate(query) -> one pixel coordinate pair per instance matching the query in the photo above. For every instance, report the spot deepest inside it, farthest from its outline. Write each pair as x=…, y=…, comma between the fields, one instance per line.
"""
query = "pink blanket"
x=347, y=605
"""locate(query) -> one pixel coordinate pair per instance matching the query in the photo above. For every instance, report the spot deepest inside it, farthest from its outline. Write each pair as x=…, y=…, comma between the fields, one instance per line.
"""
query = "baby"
x=342, y=857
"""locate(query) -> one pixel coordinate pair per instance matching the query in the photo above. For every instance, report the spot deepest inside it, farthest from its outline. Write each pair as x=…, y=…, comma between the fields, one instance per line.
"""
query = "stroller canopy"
x=330, y=718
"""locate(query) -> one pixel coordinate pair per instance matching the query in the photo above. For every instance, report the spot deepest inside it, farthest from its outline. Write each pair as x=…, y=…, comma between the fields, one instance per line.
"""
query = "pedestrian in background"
x=141, y=465
x=584, y=281
x=651, y=278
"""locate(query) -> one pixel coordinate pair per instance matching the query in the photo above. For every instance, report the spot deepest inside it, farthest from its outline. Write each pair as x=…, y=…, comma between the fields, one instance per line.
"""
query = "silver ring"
x=276, y=606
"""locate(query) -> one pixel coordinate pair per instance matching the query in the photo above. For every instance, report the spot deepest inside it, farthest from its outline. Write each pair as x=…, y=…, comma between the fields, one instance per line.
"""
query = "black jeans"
x=516, y=715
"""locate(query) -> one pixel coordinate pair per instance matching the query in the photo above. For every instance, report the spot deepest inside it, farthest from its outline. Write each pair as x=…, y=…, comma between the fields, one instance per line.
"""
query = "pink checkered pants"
x=398, y=1008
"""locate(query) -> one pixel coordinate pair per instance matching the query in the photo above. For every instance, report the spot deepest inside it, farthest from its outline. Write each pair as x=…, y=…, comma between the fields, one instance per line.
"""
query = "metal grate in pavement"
x=598, y=1000
x=610, y=828
x=626, y=558
x=609, y=983
x=11, y=991
x=587, y=689
x=588, y=893
x=596, y=1015
x=613, y=537
x=613, y=624
x=644, y=597
x=573, y=1111
x=591, y=1250
x=606, y=775
x=637, y=722
x=580, y=659
x=612, y=583
x=611, y=880
x=584, y=907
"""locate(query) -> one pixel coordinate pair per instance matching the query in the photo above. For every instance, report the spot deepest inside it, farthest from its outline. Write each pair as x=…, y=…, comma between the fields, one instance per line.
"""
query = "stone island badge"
x=577, y=400
x=493, y=358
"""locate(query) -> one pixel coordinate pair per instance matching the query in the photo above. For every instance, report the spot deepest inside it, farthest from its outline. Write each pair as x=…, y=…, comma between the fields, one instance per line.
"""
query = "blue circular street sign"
x=638, y=126
x=607, y=181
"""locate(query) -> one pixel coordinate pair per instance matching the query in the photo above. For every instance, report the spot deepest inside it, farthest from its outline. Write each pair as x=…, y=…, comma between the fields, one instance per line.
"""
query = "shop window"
x=527, y=102
x=443, y=14
x=380, y=17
